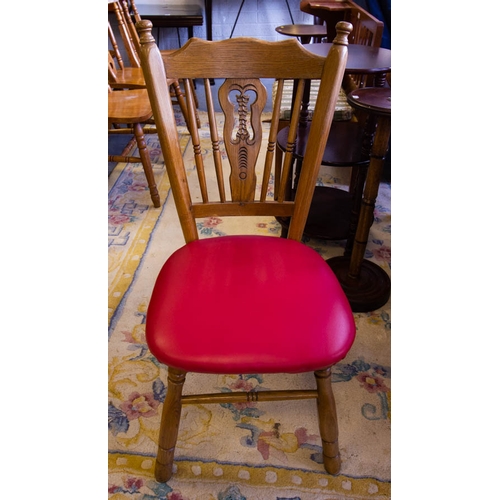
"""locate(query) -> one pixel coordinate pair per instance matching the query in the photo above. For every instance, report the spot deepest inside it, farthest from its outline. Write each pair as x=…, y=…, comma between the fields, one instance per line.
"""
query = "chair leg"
x=146, y=164
x=169, y=428
x=327, y=415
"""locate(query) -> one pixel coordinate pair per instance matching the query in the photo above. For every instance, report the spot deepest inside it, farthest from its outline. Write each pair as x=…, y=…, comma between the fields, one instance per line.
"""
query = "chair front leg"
x=169, y=427
x=328, y=427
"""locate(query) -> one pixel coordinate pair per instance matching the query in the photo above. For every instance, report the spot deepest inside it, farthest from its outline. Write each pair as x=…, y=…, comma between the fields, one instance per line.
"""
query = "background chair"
x=130, y=76
x=169, y=15
x=128, y=41
x=128, y=110
x=242, y=273
x=367, y=29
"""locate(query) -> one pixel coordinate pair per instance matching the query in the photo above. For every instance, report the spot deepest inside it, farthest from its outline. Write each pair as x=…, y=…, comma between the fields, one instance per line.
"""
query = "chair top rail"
x=272, y=59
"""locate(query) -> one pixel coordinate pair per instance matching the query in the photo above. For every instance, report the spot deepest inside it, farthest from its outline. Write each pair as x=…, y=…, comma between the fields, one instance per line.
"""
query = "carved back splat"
x=242, y=102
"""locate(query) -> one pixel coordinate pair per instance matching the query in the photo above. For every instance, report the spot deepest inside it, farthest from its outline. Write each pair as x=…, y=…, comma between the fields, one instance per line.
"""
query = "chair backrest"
x=127, y=30
x=367, y=29
x=115, y=52
x=135, y=11
x=126, y=7
x=111, y=69
x=242, y=63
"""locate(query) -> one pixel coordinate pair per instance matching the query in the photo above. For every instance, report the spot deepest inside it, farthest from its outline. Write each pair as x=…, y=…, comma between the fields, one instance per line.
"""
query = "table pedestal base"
x=370, y=291
x=329, y=215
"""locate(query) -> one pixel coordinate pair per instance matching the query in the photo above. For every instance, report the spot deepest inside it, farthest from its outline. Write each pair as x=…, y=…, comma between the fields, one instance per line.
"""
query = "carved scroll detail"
x=246, y=101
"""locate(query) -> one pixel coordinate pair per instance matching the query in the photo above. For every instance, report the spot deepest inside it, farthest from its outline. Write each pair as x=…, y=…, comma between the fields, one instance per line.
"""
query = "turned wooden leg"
x=328, y=427
x=377, y=158
x=169, y=427
x=358, y=177
x=146, y=164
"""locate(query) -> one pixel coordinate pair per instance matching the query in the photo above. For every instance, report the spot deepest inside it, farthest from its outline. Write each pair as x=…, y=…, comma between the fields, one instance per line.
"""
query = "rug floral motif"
x=246, y=450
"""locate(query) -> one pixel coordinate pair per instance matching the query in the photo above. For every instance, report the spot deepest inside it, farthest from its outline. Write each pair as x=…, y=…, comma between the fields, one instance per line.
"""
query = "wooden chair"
x=122, y=76
x=130, y=5
x=125, y=77
x=128, y=110
x=367, y=29
x=133, y=78
x=126, y=35
x=251, y=277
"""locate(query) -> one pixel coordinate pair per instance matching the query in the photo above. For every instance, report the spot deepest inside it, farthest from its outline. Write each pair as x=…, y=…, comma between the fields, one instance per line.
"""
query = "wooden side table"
x=366, y=285
x=346, y=147
x=304, y=32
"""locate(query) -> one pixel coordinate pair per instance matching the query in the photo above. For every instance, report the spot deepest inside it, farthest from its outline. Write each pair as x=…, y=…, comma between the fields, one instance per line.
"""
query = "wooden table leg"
x=366, y=285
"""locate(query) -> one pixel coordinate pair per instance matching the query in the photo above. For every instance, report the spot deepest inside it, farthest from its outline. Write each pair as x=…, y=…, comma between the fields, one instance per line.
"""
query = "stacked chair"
x=129, y=109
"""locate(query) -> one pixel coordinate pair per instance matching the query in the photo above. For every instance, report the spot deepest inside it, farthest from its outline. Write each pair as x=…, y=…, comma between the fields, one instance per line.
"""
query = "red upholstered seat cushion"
x=248, y=304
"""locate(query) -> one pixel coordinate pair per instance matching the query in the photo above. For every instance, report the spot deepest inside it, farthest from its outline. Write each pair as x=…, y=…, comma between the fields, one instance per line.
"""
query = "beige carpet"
x=234, y=452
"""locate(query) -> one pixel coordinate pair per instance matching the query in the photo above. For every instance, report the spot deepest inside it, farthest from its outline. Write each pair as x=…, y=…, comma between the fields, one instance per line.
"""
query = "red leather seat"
x=217, y=300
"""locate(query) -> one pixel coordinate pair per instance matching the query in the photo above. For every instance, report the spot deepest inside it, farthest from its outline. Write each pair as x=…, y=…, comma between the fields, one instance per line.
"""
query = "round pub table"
x=304, y=32
x=361, y=59
x=333, y=214
x=366, y=285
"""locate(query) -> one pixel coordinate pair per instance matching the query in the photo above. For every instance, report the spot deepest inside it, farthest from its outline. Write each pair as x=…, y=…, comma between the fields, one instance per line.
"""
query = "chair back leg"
x=146, y=164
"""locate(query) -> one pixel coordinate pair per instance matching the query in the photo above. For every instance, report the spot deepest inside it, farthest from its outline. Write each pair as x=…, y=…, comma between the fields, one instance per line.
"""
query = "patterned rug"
x=234, y=451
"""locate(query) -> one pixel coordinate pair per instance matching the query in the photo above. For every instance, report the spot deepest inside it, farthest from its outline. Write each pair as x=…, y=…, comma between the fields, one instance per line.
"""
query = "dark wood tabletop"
x=372, y=100
x=160, y=9
x=166, y=16
x=302, y=30
x=361, y=58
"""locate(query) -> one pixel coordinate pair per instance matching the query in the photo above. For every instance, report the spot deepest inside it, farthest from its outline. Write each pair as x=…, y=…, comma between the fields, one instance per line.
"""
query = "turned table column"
x=366, y=285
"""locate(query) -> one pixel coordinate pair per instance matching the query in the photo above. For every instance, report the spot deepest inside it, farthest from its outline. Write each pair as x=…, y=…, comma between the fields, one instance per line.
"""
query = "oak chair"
x=128, y=110
x=121, y=75
x=124, y=77
x=252, y=277
x=126, y=36
x=130, y=10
